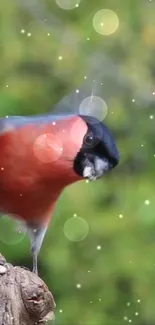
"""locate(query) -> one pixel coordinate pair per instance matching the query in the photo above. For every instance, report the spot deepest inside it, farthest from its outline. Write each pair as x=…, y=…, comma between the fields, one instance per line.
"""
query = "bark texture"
x=24, y=297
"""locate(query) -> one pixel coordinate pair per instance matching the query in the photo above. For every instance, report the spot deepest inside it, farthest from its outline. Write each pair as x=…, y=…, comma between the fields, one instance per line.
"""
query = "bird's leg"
x=37, y=234
x=35, y=260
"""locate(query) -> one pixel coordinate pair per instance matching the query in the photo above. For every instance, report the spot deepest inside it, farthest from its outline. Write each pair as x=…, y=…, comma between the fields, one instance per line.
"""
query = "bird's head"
x=98, y=153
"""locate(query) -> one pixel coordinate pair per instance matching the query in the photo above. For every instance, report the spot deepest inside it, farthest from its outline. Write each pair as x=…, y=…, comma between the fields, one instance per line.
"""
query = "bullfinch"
x=40, y=155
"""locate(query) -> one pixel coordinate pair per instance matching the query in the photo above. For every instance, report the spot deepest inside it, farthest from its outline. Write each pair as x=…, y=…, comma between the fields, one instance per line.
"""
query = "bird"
x=40, y=155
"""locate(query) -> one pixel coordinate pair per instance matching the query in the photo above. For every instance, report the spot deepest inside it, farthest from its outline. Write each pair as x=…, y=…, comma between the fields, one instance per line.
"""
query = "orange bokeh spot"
x=48, y=148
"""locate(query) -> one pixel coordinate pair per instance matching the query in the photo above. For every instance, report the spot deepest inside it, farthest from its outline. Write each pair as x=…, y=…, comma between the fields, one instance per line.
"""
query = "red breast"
x=36, y=164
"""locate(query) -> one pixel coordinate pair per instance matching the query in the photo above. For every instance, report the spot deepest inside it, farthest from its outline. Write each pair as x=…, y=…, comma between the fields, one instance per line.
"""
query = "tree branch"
x=24, y=297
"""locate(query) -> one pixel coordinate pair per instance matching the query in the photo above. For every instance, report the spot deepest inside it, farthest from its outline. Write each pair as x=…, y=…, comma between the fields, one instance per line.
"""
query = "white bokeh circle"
x=68, y=4
x=76, y=229
x=10, y=230
x=94, y=106
x=105, y=22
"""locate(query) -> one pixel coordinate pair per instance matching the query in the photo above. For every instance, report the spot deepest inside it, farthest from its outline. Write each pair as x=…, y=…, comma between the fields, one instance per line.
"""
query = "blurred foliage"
x=120, y=208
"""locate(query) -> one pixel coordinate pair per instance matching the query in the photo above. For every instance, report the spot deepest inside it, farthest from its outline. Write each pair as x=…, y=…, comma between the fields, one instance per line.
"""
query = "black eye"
x=89, y=139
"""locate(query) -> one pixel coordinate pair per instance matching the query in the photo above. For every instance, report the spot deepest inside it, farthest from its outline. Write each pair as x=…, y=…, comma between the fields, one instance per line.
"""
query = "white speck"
x=142, y=145
x=75, y=215
x=136, y=314
x=44, y=135
x=28, y=34
x=88, y=271
x=125, y=318
x=130, y=320
x=91, y=302
x=22, y=31
x=93, y=80
x=2, y=168
x=6, y=116
x=77, y=91
x=34, y=230
x=77, y=5
x=99, y=299
x=101, y=83
x=78, y=286
x=60, y=58
x=60, y=311
x=7, y=86
x=87, y=180
x=120, y=216
x=98, y=247
x=133, y=100
x=154, y=155
x=147, y=202
x=48, y=34
x=85, y=77
x=153, y=93
x=151, y=117
x=63, y=131
x=61, y=149
x=53, y=123
x=138, y=300
x=128, y=304
x=102, y=24
x=88, y=38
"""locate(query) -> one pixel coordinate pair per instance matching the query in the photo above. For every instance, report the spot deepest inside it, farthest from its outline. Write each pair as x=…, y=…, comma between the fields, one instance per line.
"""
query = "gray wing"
x=11, y=122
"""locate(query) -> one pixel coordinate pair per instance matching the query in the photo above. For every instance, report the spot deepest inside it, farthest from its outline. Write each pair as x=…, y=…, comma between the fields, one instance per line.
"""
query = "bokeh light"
x=48, y=148
x=94, y=106
x=105, y=22
x=76, y=229
x=68, y=4
x=11, y=233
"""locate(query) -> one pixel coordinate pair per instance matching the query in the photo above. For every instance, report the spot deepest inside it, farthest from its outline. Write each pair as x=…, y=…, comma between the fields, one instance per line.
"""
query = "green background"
x=120, y=287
